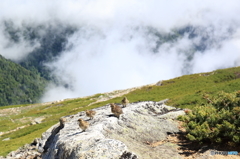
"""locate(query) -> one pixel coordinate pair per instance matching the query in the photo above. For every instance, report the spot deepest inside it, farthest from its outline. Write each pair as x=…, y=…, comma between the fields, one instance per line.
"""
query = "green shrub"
x=217, y=121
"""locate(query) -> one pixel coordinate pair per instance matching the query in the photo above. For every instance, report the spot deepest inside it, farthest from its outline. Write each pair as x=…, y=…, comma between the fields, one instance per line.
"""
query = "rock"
x=33, y=123
x=6, y=139
x=128, y=155
x=159, y=83
x=17, y=156
x=110, y=138
x=28, y=151
x=39, y=120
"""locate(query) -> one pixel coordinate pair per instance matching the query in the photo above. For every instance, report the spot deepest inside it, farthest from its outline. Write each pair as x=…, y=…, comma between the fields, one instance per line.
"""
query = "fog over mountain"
x=94, y=46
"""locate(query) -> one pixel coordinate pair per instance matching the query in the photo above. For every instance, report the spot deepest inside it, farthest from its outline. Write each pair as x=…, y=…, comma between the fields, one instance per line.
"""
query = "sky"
x=115, y=45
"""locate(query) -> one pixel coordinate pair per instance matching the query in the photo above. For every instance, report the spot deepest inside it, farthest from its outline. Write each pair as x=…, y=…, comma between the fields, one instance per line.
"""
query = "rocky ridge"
x=111, y=138
x=146, y=130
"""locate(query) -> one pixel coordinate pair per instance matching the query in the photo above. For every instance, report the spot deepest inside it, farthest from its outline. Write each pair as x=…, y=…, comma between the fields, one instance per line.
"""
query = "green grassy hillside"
x=183, y=92
x=18, y=85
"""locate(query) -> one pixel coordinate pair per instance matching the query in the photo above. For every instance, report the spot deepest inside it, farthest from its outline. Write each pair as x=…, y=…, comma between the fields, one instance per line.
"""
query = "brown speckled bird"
x=125, y=101
x=62, y=121
x=116, y=110
x=83, y=124
x=90, y=113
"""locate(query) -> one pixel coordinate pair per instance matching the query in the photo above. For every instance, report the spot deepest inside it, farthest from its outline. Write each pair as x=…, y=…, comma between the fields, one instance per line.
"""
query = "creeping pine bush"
x=217, y=121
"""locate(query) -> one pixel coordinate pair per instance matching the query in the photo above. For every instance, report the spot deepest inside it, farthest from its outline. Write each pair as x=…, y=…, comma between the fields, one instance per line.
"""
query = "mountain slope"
x=185, y=92
x=18, y=85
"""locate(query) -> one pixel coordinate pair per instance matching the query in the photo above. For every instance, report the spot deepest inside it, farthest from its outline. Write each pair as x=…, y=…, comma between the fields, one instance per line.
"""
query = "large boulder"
x=112, y=138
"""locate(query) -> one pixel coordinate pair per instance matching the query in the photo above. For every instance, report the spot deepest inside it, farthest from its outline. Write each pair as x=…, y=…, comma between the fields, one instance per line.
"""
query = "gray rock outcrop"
x=111, y=138
x=28, y=151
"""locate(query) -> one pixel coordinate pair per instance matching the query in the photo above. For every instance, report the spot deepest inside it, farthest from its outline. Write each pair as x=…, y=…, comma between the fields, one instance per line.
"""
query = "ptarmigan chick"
x=83, y=124
x=116, y=110
x=90, y=113
x=125, y=101
x=62, y=122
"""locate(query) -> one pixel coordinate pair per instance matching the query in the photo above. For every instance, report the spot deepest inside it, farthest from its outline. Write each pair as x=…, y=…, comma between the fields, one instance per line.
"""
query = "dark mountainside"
x=19, y=85
x=27, y=78
x=52, y=40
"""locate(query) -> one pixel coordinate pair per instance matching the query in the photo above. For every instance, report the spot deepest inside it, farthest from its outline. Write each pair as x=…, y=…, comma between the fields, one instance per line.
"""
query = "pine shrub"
x=218, y=121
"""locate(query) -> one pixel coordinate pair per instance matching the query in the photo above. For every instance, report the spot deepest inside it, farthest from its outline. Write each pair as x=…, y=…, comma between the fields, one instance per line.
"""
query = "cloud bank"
x=120, y=44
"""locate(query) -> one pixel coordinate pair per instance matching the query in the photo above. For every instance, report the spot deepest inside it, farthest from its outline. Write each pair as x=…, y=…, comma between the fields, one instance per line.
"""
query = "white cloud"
x=15, y=51
x=113, y=49
x=226, y=56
